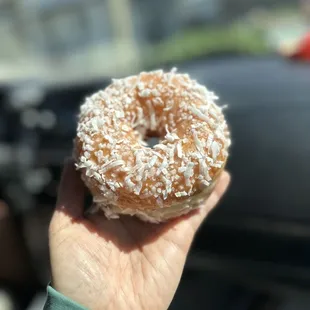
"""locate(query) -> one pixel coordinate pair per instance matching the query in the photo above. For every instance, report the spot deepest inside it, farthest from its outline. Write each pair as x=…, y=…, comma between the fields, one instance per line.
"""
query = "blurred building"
x=76, y=37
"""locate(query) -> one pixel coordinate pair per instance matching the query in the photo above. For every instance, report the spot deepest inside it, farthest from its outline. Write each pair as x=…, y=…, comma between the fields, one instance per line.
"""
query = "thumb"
x=188, y=225
x=218, y=192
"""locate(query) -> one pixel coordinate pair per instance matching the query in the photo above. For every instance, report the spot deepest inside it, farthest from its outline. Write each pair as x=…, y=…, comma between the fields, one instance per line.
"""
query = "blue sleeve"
x=56, y=301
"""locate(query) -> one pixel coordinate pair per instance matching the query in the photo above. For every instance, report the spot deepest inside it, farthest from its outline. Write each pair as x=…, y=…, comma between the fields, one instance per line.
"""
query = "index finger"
x=71, y=193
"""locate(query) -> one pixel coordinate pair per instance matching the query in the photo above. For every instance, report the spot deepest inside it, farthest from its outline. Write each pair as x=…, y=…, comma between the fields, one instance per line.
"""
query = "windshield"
x=68, y=40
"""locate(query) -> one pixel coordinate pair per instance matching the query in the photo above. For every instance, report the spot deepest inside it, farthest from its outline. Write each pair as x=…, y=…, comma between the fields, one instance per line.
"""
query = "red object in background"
x=302, y=52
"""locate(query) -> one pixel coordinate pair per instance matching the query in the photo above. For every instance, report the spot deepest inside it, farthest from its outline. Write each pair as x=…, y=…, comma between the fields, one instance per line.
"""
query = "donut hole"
x=151, y=138
x=152, y=141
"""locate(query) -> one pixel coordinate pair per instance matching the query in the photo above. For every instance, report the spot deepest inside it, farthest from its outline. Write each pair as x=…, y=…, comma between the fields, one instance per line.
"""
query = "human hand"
x=119, y=264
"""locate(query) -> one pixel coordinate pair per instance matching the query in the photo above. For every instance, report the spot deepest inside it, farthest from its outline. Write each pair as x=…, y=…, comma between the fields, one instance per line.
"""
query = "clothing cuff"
x=57, y=301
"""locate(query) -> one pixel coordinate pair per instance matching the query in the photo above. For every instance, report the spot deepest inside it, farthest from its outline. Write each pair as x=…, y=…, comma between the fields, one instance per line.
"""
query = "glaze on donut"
x=124, y=175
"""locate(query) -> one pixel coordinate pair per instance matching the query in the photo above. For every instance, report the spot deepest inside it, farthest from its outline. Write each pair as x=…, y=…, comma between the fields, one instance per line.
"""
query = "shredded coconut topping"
x=112, y=153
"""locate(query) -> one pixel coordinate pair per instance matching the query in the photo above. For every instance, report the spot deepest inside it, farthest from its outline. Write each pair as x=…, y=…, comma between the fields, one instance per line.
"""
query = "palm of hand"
x=119, y=264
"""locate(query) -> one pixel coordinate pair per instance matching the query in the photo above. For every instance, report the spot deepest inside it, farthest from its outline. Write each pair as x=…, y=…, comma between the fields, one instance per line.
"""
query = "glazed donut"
x=124, y=174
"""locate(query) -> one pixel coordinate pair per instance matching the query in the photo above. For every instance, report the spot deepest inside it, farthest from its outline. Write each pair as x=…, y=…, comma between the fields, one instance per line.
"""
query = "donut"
x=127, y=176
